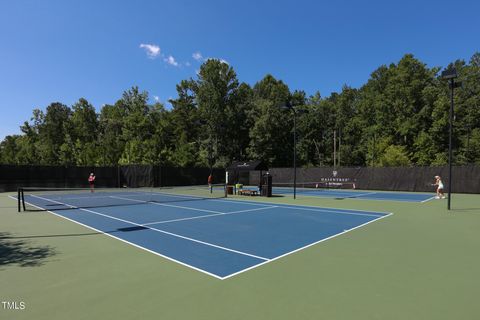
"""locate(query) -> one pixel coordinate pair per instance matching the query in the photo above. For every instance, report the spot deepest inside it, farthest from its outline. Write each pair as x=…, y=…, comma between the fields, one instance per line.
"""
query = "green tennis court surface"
x=420, y=263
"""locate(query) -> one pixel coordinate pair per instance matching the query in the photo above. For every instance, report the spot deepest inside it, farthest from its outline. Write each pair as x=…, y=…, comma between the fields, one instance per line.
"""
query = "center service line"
x=158, y=230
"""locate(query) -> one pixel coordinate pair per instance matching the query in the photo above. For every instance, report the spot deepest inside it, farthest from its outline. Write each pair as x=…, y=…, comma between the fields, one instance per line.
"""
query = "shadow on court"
x=22, y=253
x=17, y=250
x=2, y=237
x=6, y=237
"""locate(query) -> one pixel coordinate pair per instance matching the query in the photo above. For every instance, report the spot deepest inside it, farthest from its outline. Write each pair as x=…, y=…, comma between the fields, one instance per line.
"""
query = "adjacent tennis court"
x=219, y=237
x=357, y=194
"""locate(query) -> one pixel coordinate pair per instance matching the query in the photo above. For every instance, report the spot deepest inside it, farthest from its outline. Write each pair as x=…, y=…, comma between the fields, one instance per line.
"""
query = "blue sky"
x=64, y=50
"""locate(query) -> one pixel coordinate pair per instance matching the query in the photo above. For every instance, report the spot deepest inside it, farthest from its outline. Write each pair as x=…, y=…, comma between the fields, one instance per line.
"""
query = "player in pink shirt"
x=91, y=181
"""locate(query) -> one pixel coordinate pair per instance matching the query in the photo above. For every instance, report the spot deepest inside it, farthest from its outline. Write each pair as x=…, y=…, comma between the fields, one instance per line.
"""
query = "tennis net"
x=43, y=199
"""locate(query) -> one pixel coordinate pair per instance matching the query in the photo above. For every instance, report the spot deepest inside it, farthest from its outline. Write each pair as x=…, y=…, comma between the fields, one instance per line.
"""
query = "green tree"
x=183, y=123
x=29, y=142
x=83, y=138
x=394, y=156
x=52, y=134
x=159, y=144
x=400, y=115
x=270, y=136
x=474, y=146
x=467, y=108
x=110, y=142
x=315, y=129
x=216, y=94
x=240, y=123
x=138, y=127
x=9, y=149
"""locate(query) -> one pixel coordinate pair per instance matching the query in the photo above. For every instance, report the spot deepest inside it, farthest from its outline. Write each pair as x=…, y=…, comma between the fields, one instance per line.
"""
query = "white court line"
x=75, y=198
x=136, y=194
x=357, y=197
x=158, y=230
x=362, y=194
x=128, y=242
x=344, y=195
x=347, y=213
x=248, y=210
x=207, y=216
x=431, y=198
x=285, y=205
x=168, y=205
x=282, y=205
x=389, y=199
x=206, y=272
x=217, y=212
x=337, y=212
x=365, y=199
x=95, y=195
x=131, y=194
x=176, y=195
x=304, y=247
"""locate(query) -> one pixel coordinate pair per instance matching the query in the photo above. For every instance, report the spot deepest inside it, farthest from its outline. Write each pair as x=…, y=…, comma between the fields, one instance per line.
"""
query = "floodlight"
x=450, y=73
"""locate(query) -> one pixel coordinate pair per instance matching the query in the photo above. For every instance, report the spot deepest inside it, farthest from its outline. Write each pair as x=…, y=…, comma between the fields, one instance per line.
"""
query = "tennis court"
x=219, y=237
x=356, y=194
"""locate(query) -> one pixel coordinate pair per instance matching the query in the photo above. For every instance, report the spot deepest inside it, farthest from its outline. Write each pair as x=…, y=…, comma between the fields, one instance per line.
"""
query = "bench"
x=247, y=192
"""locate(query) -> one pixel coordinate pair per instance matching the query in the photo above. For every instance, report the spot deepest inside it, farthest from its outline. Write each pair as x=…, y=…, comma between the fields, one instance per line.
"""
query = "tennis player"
x=91, y=181
x=210, y=181
x=439, y=184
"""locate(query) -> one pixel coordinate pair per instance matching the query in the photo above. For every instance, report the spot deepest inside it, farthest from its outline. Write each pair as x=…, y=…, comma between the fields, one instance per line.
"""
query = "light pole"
x=339, y=145
x=210, y=155
x=289, y=106
x=450, y=74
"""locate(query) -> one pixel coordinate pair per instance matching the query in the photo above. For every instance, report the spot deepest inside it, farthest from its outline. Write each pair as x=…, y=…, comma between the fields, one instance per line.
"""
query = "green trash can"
x=238, y=186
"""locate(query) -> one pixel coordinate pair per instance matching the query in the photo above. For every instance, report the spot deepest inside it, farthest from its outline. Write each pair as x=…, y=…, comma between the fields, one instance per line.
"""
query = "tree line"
x=398, y=118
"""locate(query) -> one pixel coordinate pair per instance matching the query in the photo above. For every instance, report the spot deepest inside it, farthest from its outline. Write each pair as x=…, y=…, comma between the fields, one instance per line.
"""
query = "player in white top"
x=439, y=184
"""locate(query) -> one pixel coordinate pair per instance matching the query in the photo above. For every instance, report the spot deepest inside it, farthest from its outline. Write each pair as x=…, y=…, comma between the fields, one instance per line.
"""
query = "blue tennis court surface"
x=357, y=194
x=220, y=237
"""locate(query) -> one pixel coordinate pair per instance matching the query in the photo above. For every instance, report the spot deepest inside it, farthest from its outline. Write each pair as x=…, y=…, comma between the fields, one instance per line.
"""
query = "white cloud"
x=171, y=61
x=157, y=98
x=152, y=50
x=197, y=56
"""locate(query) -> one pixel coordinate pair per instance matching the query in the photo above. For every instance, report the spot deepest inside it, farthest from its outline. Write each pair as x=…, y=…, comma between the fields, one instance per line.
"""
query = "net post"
x=18, y=200
x=23, y=199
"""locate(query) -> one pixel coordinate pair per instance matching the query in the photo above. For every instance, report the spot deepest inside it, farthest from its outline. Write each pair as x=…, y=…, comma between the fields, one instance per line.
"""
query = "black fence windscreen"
x=466, y=179
x=173, y=176
x=136, y=176
x=12, y=176
x=133, y=176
